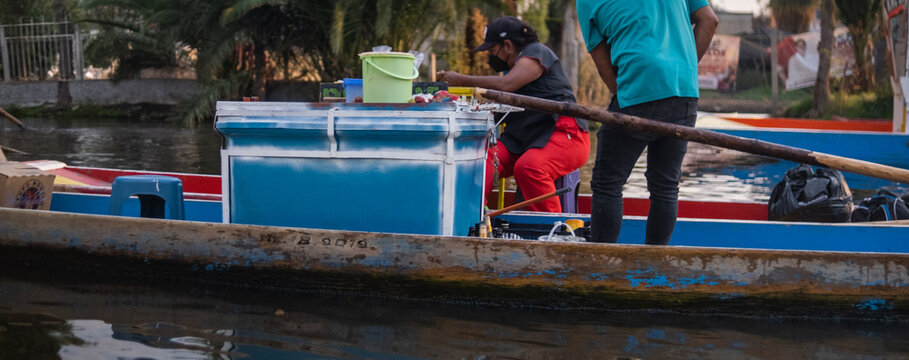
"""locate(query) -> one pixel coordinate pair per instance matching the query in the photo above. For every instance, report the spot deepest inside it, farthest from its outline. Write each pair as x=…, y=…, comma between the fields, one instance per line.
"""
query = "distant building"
x=732, y=23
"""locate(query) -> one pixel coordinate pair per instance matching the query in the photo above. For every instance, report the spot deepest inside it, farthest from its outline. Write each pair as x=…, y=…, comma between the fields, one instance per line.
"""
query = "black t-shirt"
x=530, y=129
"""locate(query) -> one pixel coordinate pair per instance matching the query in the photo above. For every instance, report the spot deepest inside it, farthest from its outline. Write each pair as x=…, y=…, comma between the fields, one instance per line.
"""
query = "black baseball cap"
x=499, y=29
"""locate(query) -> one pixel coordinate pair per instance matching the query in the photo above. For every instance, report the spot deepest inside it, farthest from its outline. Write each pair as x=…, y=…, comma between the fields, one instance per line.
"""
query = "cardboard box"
x=24, y=186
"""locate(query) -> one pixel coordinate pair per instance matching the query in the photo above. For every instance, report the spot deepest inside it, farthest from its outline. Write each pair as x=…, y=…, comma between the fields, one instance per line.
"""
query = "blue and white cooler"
x=402, y=168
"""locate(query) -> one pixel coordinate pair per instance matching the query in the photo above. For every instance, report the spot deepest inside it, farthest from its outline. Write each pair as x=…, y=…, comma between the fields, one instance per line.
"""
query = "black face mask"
x=497, y=64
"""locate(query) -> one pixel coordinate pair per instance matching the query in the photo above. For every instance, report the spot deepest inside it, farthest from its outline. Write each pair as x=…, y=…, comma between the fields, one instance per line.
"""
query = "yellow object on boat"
x=465, y=93
x=461, y=90
x=574, y=224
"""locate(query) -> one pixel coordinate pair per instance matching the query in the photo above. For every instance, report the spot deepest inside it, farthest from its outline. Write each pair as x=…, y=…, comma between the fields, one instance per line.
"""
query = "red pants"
x=537, y=169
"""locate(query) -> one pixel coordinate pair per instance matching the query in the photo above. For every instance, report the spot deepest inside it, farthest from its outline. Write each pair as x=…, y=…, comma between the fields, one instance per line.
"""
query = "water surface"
x=99, y=321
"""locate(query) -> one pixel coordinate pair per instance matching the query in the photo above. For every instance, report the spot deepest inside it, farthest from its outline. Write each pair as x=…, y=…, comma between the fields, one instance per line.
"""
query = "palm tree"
x=861, y=16
x=793, y=15
x=825, y=50
x=15, y=11
x=237, y=43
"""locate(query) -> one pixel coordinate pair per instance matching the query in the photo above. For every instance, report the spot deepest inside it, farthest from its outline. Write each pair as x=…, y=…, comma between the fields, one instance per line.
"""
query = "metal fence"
x=41, y=51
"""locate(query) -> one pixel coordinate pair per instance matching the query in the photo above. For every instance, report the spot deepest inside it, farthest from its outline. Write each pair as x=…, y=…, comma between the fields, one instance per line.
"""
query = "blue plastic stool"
x=569, y=200
x=154, y=191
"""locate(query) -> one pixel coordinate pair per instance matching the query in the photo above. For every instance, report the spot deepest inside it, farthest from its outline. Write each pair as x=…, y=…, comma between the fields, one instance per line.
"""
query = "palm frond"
x=337, y=27
x=383, y=16
x=243, y=7
x=201, y=107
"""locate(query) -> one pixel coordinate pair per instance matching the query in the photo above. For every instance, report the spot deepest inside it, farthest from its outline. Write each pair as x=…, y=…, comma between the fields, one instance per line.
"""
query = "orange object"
x=574, y=224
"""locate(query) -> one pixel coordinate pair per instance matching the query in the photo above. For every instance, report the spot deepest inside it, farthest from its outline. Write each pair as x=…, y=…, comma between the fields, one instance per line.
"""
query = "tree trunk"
x=570, y=47
x=64, y=99
x=825, y=50
x=259, y=54
x=66, y=46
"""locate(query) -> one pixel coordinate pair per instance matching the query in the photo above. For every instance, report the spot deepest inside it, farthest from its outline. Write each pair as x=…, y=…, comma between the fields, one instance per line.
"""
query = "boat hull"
x=879, y=147
x=458, y=269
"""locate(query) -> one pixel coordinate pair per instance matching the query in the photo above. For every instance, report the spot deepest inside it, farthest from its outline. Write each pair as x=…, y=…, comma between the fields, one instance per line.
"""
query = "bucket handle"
x=396, y=76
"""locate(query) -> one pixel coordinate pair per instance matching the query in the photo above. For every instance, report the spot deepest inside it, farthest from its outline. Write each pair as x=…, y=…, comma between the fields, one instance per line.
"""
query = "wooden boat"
x=868, y=140
x=730, y=260
x=765, y=121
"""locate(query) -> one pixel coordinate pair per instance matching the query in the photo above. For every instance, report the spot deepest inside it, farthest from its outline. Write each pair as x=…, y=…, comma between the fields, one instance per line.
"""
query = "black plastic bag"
x=804, y=194
x=882, y=206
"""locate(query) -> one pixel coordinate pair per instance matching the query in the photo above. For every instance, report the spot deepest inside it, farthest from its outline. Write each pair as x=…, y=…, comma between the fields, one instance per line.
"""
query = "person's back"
x=650, y=43
x=647, y=53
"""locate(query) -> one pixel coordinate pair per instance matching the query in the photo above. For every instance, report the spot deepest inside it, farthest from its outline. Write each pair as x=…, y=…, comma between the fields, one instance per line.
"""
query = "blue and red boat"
x=724, y=257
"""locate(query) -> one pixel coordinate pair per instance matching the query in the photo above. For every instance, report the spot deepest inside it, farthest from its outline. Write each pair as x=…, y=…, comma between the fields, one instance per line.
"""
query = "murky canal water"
x=41, y=319
x=46, y=320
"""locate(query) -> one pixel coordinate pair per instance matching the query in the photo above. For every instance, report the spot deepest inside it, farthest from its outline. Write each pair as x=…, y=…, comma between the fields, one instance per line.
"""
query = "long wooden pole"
x=7, y=148
x=529, y=202
x=11, y=118
x=708, y=137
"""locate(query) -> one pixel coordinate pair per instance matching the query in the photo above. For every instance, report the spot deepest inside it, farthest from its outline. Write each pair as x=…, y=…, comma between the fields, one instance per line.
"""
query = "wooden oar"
x=708, y=137
x=7, y=148
x=528, y=202
x=12, y=118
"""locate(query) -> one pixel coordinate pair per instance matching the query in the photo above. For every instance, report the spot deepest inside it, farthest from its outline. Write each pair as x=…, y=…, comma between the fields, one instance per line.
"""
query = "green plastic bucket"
x=388, y=77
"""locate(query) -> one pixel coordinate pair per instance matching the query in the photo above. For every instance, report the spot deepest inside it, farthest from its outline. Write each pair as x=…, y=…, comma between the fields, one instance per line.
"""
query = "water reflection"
x=116, y=144
x=116, y=322
x=102, y=340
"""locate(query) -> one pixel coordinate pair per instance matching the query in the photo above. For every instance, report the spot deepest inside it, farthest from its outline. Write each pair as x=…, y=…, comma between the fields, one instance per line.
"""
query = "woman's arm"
x=602, y=59
x=525, y=71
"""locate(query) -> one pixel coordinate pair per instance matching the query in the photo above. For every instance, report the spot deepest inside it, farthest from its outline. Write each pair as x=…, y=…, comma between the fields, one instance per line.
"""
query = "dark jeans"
x=617, y=152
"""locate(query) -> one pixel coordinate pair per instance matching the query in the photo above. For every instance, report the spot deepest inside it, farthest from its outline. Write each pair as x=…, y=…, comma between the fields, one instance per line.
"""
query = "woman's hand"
x=451, y=77
x=524, y=71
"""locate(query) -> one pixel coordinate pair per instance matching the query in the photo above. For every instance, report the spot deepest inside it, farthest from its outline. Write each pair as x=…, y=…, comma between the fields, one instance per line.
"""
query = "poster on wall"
x=798, y=58
x=718, y=67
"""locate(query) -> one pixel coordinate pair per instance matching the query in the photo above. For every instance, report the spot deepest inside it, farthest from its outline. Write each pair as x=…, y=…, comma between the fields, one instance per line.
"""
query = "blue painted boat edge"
x=94, y=204
x=885, y=148
x=742, y=234
x=748, y=234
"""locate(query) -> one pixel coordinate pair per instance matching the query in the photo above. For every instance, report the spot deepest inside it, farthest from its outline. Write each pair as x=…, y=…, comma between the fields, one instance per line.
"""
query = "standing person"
x=537, y=148
x=647, y=54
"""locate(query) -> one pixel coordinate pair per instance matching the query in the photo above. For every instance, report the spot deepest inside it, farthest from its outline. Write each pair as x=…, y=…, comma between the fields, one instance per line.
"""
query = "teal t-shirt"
x=651, y=45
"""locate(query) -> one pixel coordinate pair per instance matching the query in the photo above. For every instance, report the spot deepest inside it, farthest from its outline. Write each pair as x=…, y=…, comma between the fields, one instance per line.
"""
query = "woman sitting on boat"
x=537, y=148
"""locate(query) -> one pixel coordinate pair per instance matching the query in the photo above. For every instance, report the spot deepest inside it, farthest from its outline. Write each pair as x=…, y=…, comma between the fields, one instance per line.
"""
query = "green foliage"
x=760, y=93
x=537, y=14
x=861, y=14
x=865, y=105
x=241, y=41
x=751, y=78
x=234, y=46
x=861, y=17
x=17, y=11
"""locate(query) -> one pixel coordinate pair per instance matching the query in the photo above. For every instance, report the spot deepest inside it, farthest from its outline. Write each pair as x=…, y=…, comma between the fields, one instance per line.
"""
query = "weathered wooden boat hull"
x=737, y=230
x=493, y=271
x=725, y=258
